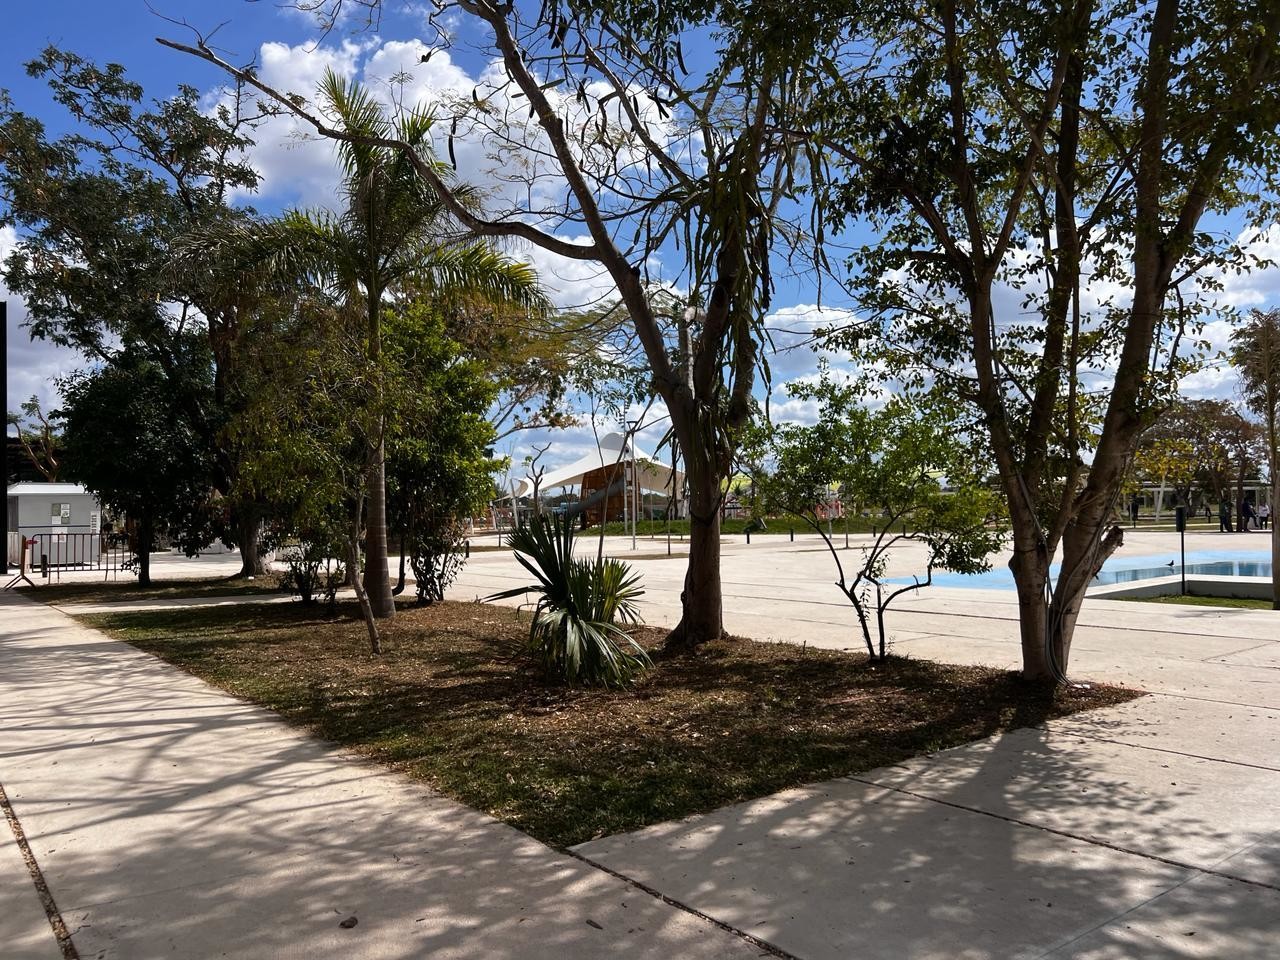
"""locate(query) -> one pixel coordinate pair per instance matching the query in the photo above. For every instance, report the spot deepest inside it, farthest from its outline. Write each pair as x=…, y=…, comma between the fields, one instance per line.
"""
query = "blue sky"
x=298, y=171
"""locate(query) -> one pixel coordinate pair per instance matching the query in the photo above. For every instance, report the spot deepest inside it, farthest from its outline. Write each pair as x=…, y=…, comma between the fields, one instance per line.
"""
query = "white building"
x=64, y=519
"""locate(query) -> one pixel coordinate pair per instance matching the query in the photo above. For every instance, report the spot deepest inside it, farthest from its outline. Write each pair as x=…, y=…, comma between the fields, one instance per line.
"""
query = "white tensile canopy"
x=651, y=473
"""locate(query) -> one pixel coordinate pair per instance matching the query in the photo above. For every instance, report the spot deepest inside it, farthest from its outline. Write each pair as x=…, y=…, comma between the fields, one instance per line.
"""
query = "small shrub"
x=436, y=556
x=311, y=573
x=577, y=634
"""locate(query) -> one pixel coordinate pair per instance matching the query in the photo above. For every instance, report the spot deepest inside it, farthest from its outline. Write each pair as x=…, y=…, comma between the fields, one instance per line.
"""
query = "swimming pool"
x=1210, y=563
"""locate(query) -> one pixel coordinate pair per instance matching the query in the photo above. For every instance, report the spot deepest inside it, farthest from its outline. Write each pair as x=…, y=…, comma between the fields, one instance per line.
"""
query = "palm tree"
x=393, y=234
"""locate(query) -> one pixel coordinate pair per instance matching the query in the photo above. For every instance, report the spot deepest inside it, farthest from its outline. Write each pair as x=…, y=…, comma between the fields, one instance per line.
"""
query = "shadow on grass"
x=448, y=704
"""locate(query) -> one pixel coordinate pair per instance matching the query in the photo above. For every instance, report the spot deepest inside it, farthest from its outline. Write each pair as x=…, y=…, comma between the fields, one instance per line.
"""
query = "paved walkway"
x=173, y=821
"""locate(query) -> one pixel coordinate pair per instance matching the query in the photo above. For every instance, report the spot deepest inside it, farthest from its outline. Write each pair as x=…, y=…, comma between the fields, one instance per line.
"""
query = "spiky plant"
x=578, y=633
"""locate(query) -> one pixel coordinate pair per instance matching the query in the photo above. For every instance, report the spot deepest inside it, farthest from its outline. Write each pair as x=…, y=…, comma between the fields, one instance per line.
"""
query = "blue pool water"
x=1215, y=563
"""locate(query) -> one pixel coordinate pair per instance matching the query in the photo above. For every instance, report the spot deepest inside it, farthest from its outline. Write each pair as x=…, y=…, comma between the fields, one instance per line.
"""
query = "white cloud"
x=298, y=167
x=34, y=366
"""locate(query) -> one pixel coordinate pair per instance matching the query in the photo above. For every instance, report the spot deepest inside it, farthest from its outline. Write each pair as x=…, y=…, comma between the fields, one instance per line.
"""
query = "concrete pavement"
x=1146, y=830
x=172, y=819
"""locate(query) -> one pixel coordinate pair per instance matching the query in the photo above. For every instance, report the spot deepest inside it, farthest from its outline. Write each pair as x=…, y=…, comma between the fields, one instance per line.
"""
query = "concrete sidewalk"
x=171, y=820
x=174, y=821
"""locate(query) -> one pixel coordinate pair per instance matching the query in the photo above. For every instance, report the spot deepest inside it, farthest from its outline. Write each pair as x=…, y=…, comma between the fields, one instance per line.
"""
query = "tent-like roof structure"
x=651, y=473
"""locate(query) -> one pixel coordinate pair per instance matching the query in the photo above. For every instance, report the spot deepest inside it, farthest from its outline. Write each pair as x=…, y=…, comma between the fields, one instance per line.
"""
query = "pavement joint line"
x=771, y=949
x=1258, y=645
x=1119, y=916
x=1270, y=708
x=1177, y=753
x=1093, y=841
x=58, y=925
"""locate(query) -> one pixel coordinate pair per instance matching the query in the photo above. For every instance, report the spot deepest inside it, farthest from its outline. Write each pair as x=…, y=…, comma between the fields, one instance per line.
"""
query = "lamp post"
x=632, y=427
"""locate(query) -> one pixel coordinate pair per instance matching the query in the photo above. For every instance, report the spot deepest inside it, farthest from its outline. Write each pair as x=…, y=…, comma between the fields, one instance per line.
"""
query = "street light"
x=632, y=426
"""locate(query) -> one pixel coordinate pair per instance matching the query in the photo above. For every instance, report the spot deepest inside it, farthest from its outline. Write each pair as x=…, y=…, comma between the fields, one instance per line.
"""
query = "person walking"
x=1224, y=517
x=1247, y=516
x=1264, y=517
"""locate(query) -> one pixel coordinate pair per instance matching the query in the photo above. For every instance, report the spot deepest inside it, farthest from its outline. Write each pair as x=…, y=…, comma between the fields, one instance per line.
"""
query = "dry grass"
x=129, y=590
x=450, y=704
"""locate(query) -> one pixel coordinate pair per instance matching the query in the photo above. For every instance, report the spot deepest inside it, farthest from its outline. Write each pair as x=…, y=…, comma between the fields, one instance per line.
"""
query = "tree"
x=98, y=211
x=1190, y=448
x=302, y=435
x=653, y=157
x=38, y=437
x=1256, y=354
x=440, y=467
x=394, y=236
x=128, y=441
x=904, y=459
x=1014, y=159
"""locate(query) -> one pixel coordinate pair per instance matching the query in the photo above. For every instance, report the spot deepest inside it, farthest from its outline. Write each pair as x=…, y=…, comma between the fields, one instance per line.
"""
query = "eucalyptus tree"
x=393, y=237
x=628, y=151
x=1040, y=177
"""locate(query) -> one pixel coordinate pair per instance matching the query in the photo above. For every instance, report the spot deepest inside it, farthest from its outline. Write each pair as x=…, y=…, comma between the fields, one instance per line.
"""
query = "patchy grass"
x=448, y=704
x=127, y=591
x=1244, y=603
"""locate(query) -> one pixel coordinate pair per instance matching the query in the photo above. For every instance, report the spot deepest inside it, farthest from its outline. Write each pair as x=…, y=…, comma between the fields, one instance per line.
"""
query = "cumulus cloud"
x=34, y=366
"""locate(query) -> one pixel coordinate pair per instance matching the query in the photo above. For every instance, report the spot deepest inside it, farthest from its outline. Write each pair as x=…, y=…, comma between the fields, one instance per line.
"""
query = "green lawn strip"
x=448, y=703
x=129, y=590
x=1244, y=603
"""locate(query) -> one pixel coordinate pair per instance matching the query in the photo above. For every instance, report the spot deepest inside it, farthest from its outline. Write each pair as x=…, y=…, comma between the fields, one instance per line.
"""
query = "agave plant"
x=578, y=634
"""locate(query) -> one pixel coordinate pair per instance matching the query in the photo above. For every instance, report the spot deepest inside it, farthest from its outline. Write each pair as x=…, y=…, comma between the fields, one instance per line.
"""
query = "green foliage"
x=129, y=439
x=311, y=571
x=1256, y=354
x=578, y=632
x=1200, y=447
x=905, y=460
x=98, y=209
x=99, y=212
x=438, y=446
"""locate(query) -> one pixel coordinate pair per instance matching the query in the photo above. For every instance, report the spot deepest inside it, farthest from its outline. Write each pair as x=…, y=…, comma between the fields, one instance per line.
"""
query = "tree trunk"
x=146, y=538
x=249, y=540
x=1275, y=538
x=366, y=610
x=701, y=601
x=377, y=575
x=1030, y=568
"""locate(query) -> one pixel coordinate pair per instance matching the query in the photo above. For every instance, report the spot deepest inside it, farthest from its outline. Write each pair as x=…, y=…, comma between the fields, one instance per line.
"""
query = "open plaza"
x=642, y=479
x=169, y=819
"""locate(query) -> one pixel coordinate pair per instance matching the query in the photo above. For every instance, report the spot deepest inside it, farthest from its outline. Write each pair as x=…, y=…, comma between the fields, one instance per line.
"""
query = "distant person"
x=1208, y=514
x=1247, y=516
x=1224, y=517
x=1133, y=509
x=1264, y=516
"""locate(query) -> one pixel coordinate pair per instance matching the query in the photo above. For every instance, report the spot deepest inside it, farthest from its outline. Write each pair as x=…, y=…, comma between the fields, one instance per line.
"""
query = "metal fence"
x=48, y=556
